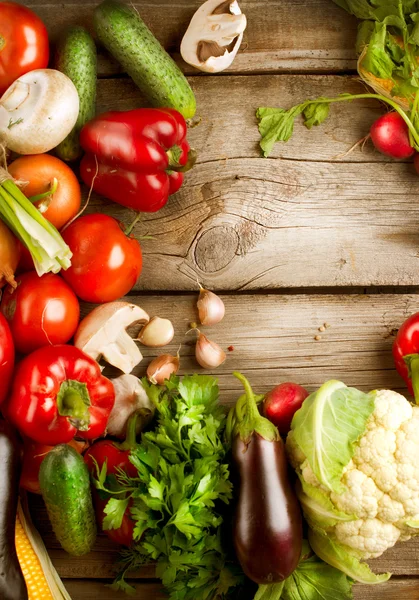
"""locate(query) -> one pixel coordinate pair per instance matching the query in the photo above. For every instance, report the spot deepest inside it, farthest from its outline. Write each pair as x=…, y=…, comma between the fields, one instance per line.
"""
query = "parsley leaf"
x=114, y=510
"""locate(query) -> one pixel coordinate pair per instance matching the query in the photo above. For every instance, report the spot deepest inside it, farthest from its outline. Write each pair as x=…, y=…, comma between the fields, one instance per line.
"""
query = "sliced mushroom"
x=214, y=36
x=103, y=334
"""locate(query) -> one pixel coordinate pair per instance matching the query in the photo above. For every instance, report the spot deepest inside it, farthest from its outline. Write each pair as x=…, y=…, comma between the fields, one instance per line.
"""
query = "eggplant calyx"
x=250, y=421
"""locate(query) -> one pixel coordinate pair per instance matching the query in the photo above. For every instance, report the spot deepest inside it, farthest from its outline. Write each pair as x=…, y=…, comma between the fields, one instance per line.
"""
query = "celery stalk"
x=49, y=251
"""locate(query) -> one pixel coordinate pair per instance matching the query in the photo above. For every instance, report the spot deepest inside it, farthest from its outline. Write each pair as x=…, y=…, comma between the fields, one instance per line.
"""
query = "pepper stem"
x=73, y=401
x=249, y=420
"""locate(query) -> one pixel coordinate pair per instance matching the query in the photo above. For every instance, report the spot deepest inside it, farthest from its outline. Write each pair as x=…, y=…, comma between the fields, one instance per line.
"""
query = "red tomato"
x=23, y=43
x=39, y=170
x=25, y=261
x=42, y=311
x=7, y=358
x=106, y=263
x=33, y=455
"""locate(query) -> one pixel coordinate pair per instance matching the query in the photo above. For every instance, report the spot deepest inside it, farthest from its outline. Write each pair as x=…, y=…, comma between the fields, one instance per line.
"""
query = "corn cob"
x=42, y=580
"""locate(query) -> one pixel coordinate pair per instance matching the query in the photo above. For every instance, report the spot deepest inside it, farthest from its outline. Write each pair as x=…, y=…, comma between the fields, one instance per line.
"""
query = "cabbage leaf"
x=337, y=556
x=327, y=427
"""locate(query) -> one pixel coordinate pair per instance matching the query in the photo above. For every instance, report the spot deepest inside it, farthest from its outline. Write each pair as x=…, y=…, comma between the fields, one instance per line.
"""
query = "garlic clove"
x=156, y=333
x=207, y=353
x=211, y=308
x=162, y=367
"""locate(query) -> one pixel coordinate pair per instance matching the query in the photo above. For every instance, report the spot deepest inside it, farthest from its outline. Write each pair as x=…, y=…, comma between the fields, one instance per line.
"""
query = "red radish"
x=281, y=403
x=390, y=135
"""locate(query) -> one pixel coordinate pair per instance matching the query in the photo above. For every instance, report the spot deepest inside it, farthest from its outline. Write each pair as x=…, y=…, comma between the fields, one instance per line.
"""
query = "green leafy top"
x=388, y=40
x=183, y=480
x=312, y=580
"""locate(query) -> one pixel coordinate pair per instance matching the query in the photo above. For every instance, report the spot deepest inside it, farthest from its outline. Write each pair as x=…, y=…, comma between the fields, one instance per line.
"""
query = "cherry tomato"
x=23, y=43
x=106, y=263
x=33, y=455
x=40, y=170
x=41, y=311
x=7, y=358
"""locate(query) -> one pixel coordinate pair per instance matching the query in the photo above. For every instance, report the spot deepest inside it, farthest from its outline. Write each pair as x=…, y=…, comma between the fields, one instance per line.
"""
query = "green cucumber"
x=125, y=35
x=76, y=58
x=65, y=486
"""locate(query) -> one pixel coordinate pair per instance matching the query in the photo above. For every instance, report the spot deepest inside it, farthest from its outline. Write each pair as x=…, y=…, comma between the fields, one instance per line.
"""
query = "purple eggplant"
x=12, y=582
x=267, y=522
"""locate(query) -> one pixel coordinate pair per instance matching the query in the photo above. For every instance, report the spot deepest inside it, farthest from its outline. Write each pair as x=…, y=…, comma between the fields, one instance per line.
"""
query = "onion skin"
x=9, y=256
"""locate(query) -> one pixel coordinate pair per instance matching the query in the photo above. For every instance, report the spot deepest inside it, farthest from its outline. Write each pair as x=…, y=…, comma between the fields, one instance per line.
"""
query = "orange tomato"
x=39, y=170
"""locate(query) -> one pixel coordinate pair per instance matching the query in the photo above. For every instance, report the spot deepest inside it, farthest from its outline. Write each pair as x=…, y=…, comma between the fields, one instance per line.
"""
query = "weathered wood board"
x=283, y=35
x=408, y=589
x=301, y=218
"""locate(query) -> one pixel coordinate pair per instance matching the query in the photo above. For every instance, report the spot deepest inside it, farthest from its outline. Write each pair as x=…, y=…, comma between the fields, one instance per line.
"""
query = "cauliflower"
x=356, y=456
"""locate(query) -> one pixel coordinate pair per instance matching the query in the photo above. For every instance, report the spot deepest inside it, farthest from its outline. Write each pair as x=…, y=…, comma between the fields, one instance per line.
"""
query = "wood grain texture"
x=408, y=589
x=273, y=41
x=242, y=222
x=273, y=339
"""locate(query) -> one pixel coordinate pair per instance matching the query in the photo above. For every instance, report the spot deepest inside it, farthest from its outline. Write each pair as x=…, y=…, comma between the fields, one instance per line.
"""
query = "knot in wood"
x=216, y=248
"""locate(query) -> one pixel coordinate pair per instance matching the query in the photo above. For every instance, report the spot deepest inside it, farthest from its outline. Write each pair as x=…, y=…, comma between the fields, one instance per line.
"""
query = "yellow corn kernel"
x=38, y=588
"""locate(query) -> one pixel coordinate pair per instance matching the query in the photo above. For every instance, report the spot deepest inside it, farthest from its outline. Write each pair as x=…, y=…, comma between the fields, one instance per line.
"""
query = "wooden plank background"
x=270, y=232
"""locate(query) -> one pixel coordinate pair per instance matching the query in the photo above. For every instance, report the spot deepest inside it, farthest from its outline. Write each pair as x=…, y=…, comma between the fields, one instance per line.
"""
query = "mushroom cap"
x=44, y=97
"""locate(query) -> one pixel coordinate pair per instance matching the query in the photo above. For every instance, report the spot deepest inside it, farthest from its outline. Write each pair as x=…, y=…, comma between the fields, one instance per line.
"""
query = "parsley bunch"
x=182, y=483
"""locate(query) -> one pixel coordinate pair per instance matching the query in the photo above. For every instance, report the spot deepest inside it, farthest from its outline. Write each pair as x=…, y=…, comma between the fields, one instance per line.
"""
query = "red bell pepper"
x=136, y=158
x=406, y=354
x=58, y=393
x=116, y=456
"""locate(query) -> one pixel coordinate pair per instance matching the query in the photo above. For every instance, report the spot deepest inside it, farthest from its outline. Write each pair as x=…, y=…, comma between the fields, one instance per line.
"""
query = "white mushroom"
x=214, y=36
x=38, y=111
x=103, y=333
x=130, y=398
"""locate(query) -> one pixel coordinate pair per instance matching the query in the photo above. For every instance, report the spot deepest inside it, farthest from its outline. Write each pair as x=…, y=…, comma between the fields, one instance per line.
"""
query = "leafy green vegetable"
x=44, y=242
x=327, y=426
x=277, y=124
x=388, y=45
x=312, y=580
x=337, y=556
x=183, y=481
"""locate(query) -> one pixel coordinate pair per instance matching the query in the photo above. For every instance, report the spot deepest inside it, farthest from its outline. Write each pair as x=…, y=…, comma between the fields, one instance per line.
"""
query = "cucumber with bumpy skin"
x=125, y=35
x=65, y=486
x=76, y=58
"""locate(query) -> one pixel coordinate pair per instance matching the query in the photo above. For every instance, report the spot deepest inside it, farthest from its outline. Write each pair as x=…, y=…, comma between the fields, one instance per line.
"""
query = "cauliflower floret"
x=371, y=537
x=381, y=481
x=361, y=496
